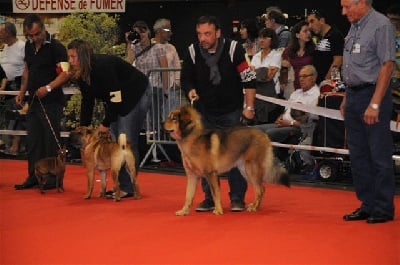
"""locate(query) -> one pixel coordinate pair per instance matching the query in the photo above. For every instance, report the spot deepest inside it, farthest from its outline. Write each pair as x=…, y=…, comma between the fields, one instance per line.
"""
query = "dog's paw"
x=218, y=212
x=252, y=207
x=182, y=212
x=137, y=195
x=87, y=196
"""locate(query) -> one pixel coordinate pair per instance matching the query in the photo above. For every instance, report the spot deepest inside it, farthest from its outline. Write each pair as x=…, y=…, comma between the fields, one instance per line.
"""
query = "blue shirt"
x=369, y=43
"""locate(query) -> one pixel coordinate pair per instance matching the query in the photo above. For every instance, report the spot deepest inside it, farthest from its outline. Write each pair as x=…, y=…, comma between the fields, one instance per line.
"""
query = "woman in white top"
x=267, y=63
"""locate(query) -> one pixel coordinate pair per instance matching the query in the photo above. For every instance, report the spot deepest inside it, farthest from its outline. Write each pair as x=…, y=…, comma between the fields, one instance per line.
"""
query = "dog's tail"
x=281, y=174
x=275, y=172
x=122, y=141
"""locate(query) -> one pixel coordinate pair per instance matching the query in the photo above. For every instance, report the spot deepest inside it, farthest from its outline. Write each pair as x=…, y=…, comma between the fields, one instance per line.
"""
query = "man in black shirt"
x=214, y=75
x=329, y=47
x=42, y=79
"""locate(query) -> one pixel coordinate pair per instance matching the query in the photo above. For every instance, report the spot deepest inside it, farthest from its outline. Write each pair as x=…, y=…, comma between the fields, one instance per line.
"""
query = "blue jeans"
x=371, y=148
x=131, y=124
x=281, y=134
x=237, y=184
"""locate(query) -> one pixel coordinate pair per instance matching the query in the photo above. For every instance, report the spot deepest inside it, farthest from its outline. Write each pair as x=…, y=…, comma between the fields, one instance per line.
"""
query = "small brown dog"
x=209, y=153
x=99, y=152
x=51, y=165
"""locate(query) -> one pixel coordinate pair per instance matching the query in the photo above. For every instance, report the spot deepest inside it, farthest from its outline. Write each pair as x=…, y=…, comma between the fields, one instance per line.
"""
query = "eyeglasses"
x=166, y=30
x=304, y=76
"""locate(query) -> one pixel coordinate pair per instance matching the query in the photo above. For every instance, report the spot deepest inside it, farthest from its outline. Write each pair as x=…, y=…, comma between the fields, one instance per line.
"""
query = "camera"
x=133, y=36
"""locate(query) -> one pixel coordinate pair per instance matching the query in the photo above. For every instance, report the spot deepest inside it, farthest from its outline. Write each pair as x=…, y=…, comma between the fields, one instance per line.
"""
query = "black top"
x=327, y=47
x=114, y=81
x=42, y=66
x=235, y=74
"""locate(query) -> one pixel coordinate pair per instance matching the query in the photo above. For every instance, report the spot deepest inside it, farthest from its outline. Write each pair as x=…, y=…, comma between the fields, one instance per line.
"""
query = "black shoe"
x=123, y=194
x=357, y=215
x=237, y=206
x=205, y=206
x=29, y=183
x=379, y=218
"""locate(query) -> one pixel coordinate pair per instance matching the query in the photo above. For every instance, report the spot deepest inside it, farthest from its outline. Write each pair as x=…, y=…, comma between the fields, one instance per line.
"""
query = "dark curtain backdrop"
x=183, y=14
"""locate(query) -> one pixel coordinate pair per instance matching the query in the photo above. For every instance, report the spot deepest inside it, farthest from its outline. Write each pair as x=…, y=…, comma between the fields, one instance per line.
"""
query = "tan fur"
x=51, y=165
x=210, y=153
x=101, y=153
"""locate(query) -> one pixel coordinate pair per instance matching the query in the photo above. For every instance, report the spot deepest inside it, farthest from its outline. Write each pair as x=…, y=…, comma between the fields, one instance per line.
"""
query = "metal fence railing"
x=166, y=96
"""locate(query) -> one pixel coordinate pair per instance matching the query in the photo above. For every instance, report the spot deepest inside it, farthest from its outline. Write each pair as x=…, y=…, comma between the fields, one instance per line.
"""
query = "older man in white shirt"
x=285, y=125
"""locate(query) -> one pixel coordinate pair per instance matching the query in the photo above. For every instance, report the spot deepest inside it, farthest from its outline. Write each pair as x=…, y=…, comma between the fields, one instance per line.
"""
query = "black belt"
x=361, y=86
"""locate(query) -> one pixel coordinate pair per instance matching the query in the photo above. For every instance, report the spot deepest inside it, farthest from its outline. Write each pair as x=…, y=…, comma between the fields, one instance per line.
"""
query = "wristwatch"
x=48, y=88
x=250, y=108
x=292, y=123
x=374, y=106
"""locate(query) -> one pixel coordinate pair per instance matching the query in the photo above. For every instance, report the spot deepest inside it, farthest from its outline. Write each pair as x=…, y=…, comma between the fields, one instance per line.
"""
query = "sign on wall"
x=68, y=6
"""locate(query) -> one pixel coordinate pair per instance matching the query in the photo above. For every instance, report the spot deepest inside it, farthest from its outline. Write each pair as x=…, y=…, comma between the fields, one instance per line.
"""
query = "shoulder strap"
x=232, y=48
x=192, y=53
x=143, y=51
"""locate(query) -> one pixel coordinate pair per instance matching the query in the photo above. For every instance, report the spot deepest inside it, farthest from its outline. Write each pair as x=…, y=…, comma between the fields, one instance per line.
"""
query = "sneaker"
x=205, y=206
x=237, y=206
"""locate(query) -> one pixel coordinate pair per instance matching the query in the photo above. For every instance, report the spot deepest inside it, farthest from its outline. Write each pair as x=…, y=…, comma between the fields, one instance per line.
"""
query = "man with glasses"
x=328, y=52
x=285, y=125
x=42, y=78
x=368, y=57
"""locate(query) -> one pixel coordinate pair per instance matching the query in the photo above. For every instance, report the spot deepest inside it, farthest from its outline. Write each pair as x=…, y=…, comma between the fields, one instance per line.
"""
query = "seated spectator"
x=285, y=125
x=307, y=125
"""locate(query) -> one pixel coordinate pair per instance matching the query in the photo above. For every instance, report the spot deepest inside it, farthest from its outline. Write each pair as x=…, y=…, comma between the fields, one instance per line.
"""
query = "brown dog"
x=99, y=152
x=210, y=153
x=51, y=165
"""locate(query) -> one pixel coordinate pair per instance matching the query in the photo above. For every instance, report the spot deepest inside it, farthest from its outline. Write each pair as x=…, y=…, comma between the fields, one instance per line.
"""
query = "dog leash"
x=48, y=121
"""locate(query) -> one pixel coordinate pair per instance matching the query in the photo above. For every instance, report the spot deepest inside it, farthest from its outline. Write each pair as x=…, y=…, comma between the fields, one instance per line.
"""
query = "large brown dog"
x=210, y=153
x=99, y=152
x=52, y=165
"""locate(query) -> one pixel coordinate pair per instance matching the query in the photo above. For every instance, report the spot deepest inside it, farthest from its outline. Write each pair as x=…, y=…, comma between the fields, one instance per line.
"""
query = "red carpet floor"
x=299, y=225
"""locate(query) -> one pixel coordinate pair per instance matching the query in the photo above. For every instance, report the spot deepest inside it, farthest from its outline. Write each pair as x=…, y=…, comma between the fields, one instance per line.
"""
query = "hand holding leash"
x=193, y=96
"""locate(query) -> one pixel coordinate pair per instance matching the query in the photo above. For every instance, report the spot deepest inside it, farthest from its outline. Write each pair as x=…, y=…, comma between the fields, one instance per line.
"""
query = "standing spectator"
x=300, y=50
x=146, y=56
x=368, y=57
x=266, y=63
x=162, y=34
x=12, y=61
x=274, y=19
x=329, y=48
x=42, y=78
x=393, y=13
x=125, y=91
x=214, y=74
x=249, y=34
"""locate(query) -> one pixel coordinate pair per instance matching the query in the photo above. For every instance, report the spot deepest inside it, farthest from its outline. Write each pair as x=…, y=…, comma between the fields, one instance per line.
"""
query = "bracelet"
x=250, y=108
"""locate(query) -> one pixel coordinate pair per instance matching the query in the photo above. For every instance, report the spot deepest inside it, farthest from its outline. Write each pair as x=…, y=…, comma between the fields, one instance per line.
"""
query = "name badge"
x=115, y=96
x=356, y=48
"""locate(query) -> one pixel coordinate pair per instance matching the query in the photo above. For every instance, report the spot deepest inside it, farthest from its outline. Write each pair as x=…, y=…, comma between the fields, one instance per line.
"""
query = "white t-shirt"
x=12, y=59
x=273, y=59
x=309, y=97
